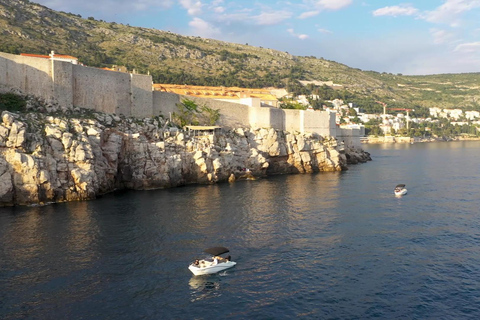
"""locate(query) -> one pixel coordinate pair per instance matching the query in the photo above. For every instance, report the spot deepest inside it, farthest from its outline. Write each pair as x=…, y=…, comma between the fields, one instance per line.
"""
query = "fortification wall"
x=101, y=90
x=267, y=117
x=294, y=120
x=232, y=115
x=131, y=95
x=62, y=83
x=28, y=74
x=321, y=122
x=164, y=103
x=349, y=136
x=142, y=95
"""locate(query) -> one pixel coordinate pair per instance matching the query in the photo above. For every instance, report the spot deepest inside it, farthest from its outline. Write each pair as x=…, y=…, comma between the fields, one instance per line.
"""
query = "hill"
x=28, y=27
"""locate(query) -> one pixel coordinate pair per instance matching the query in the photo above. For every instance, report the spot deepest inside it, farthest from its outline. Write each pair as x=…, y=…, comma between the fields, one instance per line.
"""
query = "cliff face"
x=58, y=158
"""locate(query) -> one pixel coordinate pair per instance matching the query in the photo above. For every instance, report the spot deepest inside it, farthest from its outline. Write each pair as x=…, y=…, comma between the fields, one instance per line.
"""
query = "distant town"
x=446, y=121
x=440, y=122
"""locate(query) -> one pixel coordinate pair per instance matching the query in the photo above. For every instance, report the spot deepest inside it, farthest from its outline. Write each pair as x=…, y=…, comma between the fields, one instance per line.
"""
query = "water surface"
x=318, y=246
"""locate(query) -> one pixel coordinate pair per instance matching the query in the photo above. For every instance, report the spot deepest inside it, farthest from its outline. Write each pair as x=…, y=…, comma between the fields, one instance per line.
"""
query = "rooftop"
x=216, y=92
x=55, y=56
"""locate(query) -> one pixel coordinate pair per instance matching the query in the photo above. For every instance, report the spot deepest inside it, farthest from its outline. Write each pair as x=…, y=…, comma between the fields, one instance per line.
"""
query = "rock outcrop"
x=46, y=159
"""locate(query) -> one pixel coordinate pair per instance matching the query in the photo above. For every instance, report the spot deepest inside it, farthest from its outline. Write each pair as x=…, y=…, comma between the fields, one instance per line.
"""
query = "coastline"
x=81, y=155
x=392, y=139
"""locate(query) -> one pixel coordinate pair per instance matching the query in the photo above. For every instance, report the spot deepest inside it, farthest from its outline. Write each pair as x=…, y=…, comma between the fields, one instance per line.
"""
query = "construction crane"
x=401, y=109
x=408, y=115
x=384, y=106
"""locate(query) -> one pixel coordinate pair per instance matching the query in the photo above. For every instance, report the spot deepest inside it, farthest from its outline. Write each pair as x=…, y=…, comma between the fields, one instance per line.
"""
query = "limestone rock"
x=4, y=132
x=56, y=159
x=17, y=135
x=8, y=118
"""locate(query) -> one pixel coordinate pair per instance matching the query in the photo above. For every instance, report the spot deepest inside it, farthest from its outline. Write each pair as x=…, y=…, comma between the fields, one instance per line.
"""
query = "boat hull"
x=212, y=268
x=401, y=192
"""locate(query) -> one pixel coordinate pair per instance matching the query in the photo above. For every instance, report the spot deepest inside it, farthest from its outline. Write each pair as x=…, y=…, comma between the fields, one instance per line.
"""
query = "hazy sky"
x=415, y=37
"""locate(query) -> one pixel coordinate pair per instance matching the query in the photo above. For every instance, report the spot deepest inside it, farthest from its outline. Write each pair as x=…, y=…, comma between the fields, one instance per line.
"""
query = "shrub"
x=189, y=113
x=211, y=115
x=12, y=102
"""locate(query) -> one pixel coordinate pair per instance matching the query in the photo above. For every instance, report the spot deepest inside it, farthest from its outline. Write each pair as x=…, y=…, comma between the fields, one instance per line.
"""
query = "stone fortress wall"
x=132, y=95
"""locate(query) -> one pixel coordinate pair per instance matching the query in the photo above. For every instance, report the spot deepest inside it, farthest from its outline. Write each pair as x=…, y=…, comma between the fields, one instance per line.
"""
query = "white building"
x=454, y=113
x=472, y=115
x=365, y=117
x=435, y=112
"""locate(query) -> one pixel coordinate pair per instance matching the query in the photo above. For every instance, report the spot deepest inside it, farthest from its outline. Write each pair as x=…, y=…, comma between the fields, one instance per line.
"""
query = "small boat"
x=213, y=265
x=400, y=190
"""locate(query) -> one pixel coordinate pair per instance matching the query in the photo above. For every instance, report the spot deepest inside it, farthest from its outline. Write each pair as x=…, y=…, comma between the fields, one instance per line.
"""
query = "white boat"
x=400, y=190
x=213, y=265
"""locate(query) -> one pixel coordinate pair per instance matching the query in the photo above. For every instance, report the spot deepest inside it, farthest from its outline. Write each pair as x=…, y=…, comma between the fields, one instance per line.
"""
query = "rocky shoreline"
x=81, y=154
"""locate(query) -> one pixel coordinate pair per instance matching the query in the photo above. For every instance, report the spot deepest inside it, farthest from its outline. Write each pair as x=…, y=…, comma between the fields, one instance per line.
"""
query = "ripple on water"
x=320, y=246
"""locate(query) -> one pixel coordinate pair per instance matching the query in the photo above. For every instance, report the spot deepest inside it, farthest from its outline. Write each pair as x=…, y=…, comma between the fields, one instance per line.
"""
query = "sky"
x=412, y=38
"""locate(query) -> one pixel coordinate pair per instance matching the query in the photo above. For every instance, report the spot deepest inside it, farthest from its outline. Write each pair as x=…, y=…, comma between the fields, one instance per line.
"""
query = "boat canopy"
x=215, y=251
x=400, y=186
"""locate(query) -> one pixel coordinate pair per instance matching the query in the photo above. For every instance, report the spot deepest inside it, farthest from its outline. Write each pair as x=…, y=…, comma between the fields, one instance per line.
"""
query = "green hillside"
x=171, y=58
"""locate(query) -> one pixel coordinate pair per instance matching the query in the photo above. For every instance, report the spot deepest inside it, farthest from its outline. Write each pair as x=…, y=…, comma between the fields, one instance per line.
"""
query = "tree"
x=352, y=112
x=189, y=113
x=210, y=116
x=315, y=103
x=290, y=104
x=356, y=119
x=373, y=131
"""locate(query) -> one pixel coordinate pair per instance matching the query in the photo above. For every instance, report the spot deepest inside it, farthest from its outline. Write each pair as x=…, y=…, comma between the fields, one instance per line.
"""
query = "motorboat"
x=213, y=265
x=400, y=190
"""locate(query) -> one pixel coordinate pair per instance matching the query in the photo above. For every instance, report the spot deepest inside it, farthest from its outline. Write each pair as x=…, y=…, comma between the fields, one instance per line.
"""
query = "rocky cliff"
x=79, y=155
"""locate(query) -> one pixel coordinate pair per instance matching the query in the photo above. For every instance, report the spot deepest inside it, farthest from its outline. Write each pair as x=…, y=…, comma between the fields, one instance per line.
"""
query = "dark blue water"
x=320, y=246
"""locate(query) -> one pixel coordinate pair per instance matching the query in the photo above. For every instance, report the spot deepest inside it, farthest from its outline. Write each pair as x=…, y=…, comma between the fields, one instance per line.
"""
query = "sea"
x=333, y=245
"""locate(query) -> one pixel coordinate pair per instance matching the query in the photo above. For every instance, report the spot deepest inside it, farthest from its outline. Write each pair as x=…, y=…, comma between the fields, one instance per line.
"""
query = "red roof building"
x=53, y=56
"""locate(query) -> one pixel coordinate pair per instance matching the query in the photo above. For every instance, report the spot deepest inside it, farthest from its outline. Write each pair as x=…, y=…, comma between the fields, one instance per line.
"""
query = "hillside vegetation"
x=28, y=27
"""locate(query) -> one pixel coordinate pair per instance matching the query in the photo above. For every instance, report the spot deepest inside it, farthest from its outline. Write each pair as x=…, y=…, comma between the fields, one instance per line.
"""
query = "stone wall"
x=232, y=115
x=131, y=95
x=164, y=103
x=142, y=95
x=349, y=136
x=101, y=90
x=75, y=85
x=267, y=117
x=30, y=75
x=321, y=122
x=235, y=115
x=293, y=120
x=62, y=83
